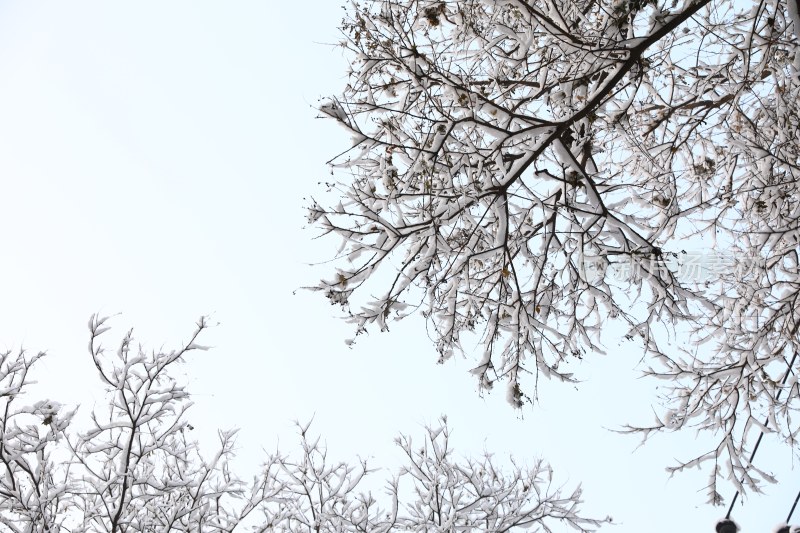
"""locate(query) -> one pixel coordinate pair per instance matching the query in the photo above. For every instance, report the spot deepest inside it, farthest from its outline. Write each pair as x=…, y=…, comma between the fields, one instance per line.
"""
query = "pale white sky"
x=153, y=161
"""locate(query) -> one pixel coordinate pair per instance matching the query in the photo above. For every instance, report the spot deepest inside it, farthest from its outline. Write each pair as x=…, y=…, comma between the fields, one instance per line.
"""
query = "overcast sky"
x=154, y=157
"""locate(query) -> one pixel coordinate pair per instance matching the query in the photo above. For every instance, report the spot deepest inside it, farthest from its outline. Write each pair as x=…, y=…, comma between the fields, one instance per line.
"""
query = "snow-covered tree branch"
x=532, y=173
x=133, y=467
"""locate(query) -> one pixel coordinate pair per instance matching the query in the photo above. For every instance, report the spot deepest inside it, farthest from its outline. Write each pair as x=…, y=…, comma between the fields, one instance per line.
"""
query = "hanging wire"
x=789, y=518
x=761, y=436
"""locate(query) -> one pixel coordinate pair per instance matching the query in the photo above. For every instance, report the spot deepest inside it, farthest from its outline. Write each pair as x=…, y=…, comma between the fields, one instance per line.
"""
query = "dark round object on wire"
x=727, y=525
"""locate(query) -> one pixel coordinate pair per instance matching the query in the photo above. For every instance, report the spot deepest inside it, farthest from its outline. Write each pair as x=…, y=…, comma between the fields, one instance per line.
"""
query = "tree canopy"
x=135, y=467
x=540, y=175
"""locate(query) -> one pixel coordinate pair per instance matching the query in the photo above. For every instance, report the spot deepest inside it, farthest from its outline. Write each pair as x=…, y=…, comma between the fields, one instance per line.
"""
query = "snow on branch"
x=530, y=176
x=136, y=468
